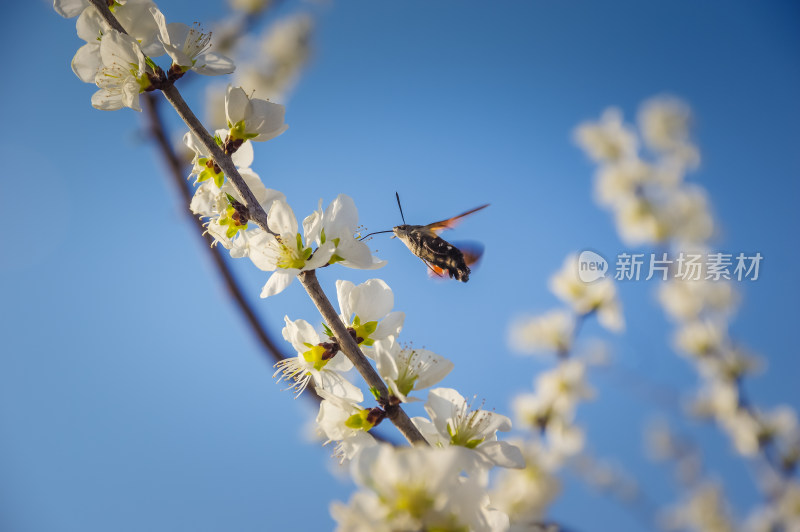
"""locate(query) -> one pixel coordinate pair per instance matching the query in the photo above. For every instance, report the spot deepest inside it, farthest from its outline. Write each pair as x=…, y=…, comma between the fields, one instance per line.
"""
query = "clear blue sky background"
x=132, y=397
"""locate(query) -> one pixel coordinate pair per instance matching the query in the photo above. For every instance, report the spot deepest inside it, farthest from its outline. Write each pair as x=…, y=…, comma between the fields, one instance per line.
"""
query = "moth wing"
x=472, y=251
x=452, y=222
x=437, y=272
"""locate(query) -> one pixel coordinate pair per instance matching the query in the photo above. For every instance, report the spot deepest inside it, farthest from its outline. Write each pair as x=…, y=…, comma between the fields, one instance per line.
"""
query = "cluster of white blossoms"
x=327, y=237
x=121, y=64
x=553, y=331
x=440, y=486
x=652, y=204
x=548, y=412
x=650, y=200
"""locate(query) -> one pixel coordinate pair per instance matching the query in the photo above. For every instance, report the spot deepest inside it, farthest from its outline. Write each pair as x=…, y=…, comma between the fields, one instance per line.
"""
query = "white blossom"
x=563, y=387
x=705, y=510
x=367, y=309
x=252, y=118
x=189, y=47
x=417, y=488
x=525, y=494
x=618, y=183
x=453, y=423
x=70, y=8
x=599, y=296
x=123, y=74
x=701, y=337
x=686, y=299
x=288, y=253
x=313, y=363
x=550, y=332
x=407, y=370
x=664, y=123
x=339, y=225
x=608, y=140
x=345, y=422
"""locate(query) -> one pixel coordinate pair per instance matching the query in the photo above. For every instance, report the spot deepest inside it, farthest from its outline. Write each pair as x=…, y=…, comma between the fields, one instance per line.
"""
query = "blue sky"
x=133, y=397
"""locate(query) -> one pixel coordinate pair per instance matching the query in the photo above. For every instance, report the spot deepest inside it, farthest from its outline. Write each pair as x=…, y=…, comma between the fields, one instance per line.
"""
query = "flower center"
x=314, y=356
x=363, y=330
x=465, y=426
x=293, y=256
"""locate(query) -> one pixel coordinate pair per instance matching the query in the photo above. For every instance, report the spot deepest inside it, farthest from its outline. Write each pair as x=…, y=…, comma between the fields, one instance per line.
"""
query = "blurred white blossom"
x=550, y=332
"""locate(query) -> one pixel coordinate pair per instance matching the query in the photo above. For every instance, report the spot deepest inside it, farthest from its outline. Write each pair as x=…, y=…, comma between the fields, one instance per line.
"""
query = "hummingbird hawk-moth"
x=441, y=257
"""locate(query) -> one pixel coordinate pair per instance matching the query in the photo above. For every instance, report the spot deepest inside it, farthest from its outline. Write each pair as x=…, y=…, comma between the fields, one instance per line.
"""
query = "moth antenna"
x=401, y=207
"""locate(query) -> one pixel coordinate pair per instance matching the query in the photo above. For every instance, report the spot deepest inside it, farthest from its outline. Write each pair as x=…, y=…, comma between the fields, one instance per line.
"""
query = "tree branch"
x=309, y=278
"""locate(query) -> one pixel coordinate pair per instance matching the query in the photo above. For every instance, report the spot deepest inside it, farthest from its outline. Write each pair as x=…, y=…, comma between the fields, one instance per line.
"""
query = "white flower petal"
x=337, y=385
x=87, y=62
x=390, y=325
x=69, y=8
x=372, y=300
x=343, y=289
x=281, y=219
x=213, y=64
x=503, y=454
x=278, y=282
x=236, y=102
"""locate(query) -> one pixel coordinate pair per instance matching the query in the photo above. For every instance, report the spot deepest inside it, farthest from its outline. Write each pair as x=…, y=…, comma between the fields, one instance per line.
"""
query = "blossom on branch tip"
x=123, y=75
x=188, y=47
